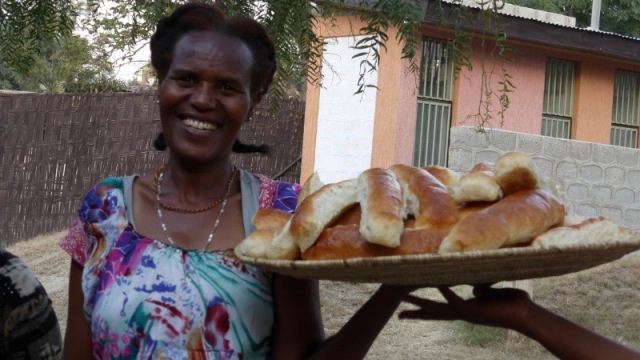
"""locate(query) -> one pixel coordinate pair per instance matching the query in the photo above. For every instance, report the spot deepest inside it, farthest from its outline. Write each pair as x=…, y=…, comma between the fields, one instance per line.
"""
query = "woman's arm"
x=77, y=339
x=513, y=309
x=298, y=330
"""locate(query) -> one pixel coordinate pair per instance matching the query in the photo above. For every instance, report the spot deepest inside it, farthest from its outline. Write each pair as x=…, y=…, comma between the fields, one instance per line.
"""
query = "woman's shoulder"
x=102, y=200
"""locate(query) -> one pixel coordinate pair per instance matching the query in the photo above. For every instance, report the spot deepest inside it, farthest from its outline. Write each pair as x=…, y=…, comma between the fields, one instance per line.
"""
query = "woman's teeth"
x=199, y=125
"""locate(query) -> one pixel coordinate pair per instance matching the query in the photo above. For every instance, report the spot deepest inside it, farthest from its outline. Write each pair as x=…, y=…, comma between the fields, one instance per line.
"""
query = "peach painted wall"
x=397, y=99
x=593, y=96
x=525, y=109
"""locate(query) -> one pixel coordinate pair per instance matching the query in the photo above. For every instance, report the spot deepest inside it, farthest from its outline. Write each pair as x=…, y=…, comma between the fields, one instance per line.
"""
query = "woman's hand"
x=495, y=307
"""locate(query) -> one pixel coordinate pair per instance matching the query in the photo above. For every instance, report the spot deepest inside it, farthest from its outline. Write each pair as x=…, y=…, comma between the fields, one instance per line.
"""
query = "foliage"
x=126, y=25
x=617, y=16
x=25, y=25
x=69, y=64
x=289, y=22
x=493, y=31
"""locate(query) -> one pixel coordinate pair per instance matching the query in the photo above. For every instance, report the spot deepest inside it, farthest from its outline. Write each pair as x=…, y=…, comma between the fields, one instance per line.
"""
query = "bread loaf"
x=425, y=198
x=310, y=186
x=257, y=244
x=270, y=219
x=515, y=171
x=345, y=242
x=472, y=208
x=410, y=210
x=477, y=185
x=380, y=197
x=446, y=176
x=283, y=246
x=515, y=219
x=350, y=217
x=318, y=210
x=591, y=231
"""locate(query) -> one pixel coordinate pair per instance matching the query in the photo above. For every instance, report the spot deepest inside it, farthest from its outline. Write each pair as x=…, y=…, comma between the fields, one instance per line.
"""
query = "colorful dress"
x=148, y=300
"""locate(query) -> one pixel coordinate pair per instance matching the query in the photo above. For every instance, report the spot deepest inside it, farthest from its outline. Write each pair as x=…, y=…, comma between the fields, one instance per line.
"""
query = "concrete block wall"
x=599, y=180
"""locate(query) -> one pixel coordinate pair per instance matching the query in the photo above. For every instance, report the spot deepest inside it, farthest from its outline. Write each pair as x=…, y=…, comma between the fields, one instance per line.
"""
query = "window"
x=433, y=119
x=557, y=108
x=626, y=109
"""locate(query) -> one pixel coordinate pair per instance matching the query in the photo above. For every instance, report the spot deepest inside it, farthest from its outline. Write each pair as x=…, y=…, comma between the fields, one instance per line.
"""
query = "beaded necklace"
x=177, y=209
x=158, y=190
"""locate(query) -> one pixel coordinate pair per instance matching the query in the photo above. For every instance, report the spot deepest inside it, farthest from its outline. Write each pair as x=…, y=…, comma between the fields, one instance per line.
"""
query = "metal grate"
x=626, y=98
x=433, y=118
x=558, y=87
x=436, y=70
x=557, y=107
x=625, y=117
x=432, y=133
x=624, y=136
x=555, y=127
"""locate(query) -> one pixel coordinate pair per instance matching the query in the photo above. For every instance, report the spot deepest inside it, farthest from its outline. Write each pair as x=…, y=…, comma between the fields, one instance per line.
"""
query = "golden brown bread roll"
x=310, y=186
x=345, y=242
x=446, y=176
x=258, y=244
x=515, y=171
x=270, y=218
x=515, y=219
x=590, y=231
x=350, y=217
x=425, y=198
x=317, y=211
x=477, y=185
x=472, y=208
x=380, y=197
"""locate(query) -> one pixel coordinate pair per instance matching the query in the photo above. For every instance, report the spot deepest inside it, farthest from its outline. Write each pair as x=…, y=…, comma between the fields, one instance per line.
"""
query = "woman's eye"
x=185, y=79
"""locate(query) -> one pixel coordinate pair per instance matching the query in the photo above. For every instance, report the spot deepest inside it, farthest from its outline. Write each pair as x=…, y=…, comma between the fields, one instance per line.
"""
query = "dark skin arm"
x=513, y=309
x=298, y=330
x=77, y=339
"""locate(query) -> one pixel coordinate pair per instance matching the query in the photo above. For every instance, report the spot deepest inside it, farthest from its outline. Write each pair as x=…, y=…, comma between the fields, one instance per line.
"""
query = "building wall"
x=341, y=127
x=390, y=119
x=525, y=110
x=599, y=180
x=593, y=96
x=344, y=133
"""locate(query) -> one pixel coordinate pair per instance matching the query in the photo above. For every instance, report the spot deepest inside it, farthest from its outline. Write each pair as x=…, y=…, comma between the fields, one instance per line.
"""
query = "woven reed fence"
x=53, y=148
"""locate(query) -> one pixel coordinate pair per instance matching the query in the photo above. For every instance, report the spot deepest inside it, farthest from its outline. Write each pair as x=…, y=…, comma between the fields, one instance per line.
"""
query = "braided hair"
x=206, y=17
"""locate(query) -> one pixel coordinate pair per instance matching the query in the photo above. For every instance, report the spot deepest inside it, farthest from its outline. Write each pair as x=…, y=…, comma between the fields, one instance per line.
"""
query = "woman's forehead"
x=209, y=46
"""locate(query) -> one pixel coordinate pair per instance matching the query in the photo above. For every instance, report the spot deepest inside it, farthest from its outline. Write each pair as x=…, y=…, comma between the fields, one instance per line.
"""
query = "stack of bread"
x=406, y=210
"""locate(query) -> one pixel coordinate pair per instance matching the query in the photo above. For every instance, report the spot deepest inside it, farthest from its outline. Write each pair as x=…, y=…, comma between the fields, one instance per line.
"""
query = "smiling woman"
x=153, y=275
x=206, y=95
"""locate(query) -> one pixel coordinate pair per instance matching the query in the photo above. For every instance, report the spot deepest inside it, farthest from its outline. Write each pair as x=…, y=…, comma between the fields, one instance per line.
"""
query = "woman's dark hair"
x=206, y=17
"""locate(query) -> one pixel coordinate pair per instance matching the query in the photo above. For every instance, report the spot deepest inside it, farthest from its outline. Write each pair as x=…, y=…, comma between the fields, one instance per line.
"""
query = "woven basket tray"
x=472, y=267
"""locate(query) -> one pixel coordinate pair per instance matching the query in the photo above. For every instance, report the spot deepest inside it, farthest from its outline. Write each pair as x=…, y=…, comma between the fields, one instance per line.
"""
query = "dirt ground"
x=606, y=299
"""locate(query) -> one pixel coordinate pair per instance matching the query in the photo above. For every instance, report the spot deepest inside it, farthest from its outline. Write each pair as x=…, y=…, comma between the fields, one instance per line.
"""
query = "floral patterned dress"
x=148, y=300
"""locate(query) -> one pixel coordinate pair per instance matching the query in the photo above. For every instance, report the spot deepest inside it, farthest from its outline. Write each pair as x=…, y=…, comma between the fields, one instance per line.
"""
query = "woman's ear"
x=255, y=99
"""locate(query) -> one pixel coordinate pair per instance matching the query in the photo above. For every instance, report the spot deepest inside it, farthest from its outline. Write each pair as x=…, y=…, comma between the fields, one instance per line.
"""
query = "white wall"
x=345, y=121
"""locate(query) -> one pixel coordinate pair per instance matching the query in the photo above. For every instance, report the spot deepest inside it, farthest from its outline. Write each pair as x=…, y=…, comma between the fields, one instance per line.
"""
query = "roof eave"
x=538, y=32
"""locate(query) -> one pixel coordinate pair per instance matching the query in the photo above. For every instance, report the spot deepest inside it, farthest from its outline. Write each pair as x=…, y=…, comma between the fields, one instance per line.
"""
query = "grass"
x=605, y=299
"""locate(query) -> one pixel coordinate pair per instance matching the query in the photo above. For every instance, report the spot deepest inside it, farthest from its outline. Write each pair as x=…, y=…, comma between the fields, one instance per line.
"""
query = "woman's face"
x=205, y=96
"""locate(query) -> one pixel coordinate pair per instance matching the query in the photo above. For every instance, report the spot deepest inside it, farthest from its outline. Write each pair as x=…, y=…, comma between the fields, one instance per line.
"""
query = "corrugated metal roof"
x=468, y=3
